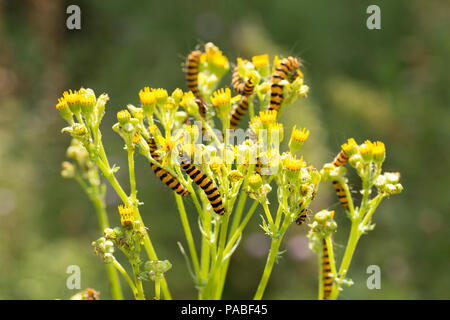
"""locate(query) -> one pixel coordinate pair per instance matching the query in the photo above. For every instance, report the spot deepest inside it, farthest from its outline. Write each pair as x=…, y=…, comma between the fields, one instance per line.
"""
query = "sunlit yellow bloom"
x=268, y=117
x=73, y=100
x=161, y=96
x=87, y=100
x=177, y=95
x=299, y=135
x=221, y=97
x=214, y=56
x=379, y=151
x=293, y=164
x=216, y=164
x=350, y=147
x=126, y=216
x=366, y=150
x=62, y=104
x=147, y=96
x=188, y=97
x=260, y=61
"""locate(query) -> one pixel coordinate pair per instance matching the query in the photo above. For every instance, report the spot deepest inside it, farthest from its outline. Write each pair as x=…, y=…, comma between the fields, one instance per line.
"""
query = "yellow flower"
x=161, y=96
x=221, y=97
x=299, y=135
x=293, y=164
x=350, y=147
x=260, y=61
x=153, y=128
x=73, y=100
x=64, y=110
x=268, y=117
x=214, y=56
x=277, y=128
x=379, y=151
x=216, y=164
x=147, y=96
x=126, y=216
x=366, y=150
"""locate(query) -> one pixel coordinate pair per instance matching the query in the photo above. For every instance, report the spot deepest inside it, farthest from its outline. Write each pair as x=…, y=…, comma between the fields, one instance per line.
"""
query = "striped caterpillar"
x=192, y=63
x=287, y=65
x=341, y=194
x=205, y=183
x=326, y=270
x=162, y=174
x=241, y=109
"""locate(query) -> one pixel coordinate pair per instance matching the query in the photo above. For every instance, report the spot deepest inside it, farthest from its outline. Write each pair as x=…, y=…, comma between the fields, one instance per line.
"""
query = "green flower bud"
x=64, y=110
x=123, y=117
x=108, y=258
x=68, y=170
x=255, y=182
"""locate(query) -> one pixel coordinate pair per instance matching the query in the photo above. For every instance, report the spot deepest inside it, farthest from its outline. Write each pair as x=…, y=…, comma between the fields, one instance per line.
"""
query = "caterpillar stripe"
x=208, y=186
x=287, y=65
x=237, y=82
x=341, y=194
x=241, y=109
x=301, y=218
x=192, y=63
x=341, y=159
x=326, y=270
x=162, y=174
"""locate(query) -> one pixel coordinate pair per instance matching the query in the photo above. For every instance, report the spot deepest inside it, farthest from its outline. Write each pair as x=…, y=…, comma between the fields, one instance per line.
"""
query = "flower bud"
x=123, y=117
x=255, y=181
x=87, y=101
x=177, y=95
x=379, y=152
x=366, y=150
x=73, y=100
x=68, y=170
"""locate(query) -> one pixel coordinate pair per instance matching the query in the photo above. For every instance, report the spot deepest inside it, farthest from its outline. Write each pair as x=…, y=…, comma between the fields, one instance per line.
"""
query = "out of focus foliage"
x=389, y=84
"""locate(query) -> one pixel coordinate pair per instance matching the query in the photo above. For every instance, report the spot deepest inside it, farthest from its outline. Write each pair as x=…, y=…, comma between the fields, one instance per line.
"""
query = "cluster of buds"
x=257, y=189
x=105, y=248
x=388, y=183
x=322, y=226
x=213, y=66
x=154, y=270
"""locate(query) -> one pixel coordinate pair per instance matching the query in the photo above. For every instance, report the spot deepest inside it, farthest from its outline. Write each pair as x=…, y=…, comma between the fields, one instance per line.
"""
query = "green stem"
x=99, y=205
x=127, y=278
x=275, y=245
x=188, y=233
x=107, y=172
x=157, y=289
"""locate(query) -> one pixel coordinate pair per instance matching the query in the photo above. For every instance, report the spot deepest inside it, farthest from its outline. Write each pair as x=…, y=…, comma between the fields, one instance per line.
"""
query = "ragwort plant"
x=193, y=144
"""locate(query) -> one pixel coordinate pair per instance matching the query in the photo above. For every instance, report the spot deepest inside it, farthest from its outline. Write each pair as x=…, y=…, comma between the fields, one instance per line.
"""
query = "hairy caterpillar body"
x=205, y=183
x=192, y=62
x=341, y=159
x=341, y=194
x=326, y=269
x=287, y=65
x=301, y=218
x=162, y=174
x=237, y=82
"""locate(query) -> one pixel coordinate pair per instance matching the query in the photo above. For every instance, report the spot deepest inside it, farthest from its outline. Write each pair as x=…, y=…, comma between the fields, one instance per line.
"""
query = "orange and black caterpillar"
x=287, y=65
x=237, y=82
x=192, y=62
x=241, y=109
x=341, y=194
x=207, y=184
x=162, y=174
x=326, y=270
x=301, y=218
x=341, y=159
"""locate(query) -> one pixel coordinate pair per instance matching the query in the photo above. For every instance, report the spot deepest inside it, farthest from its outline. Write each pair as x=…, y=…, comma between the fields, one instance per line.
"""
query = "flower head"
x=161, y=96
x=366, y=150
x=260, y=61
x=126, y=216
x=298, y=137
x=379, y=152
x=73, y=100
x=350, y=147
x=148, y=100
x=221, y=97
x=63, y=108
x=87, y=100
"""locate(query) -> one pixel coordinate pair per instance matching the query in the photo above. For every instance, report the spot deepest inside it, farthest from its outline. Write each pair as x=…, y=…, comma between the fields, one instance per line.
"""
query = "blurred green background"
x=389, y=84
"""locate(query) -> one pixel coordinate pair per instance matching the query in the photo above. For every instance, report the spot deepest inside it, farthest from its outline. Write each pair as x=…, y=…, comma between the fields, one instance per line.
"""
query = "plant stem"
x=188, y=233
x=99, y=205
x=275, y=245
x=123, y=196
x=127, y=278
